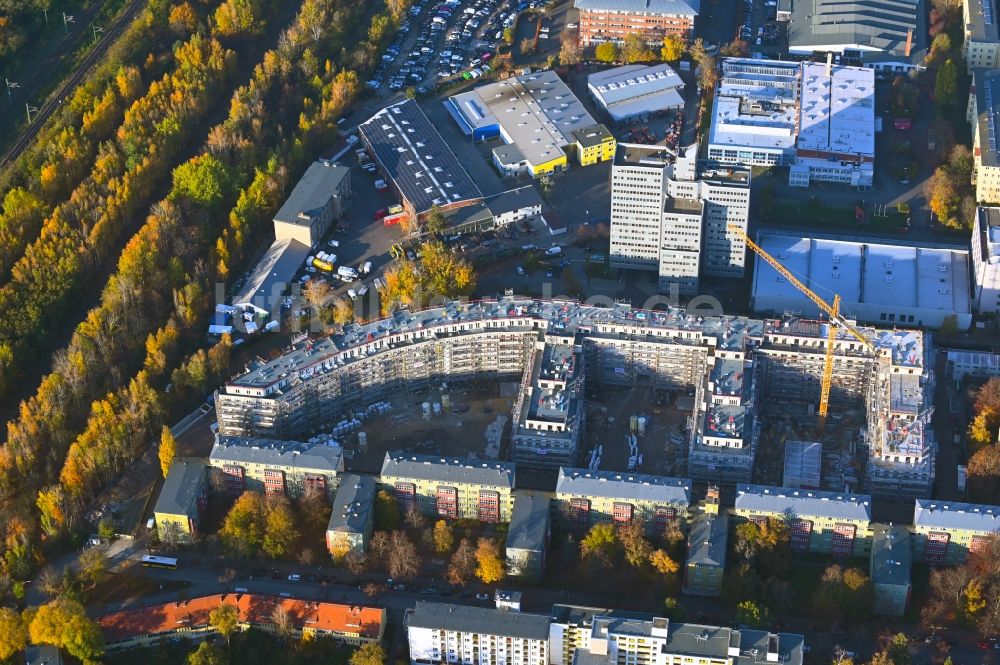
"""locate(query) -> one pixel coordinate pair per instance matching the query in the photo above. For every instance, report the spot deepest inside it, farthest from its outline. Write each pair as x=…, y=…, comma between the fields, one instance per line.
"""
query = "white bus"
x=159, y=562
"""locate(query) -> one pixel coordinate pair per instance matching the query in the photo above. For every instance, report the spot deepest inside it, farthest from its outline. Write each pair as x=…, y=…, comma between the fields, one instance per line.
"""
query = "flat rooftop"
x=756, y=105
x=988, y=220
x=803, y=464
x=724, y=174
x=803, y=503
x=537, y=112
x=412, y=153
x=879, y=28
x=311, y=193
x=637, y=154
x=660, y=7
x=683, y=206
x=865, y=271
x=982, y=23
x=727, y=377
x=837, y=112
x=181, y=487
x=724, y=421
x=621, y=485
x=637, y=89
x=478, y=620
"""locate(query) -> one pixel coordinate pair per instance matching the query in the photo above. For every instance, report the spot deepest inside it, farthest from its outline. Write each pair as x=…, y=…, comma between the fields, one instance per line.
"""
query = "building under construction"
x=741, y=372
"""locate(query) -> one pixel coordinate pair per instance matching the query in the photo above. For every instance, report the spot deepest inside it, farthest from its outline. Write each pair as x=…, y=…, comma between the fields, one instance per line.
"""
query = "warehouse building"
x=584, y=498
x=945, y=532
x=528, y=535
x=155, y=625
x=352, y=517
x=594, y=636
x=705, y=564
x=984, y=107
x=636, y=92
x=535, y=114
x=450, y=488
x=887, y=35
x=465, y=635
x=890, y=569
x=264, y=290
x=981, y=48
x=182, y=502
x=613, y=20
x=836, y=133
x=319, y=198
x=827, y=522
x=419, y=165
x=880, y=283
x=755, y=113
x=803, y=464
x=977, y=364
x=273, y=467
x=985, y=260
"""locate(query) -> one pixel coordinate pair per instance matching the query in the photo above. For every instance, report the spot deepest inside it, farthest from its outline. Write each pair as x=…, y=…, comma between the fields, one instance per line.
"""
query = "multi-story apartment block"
x=182, y=501
x=587, y=497
x=984, y=259
x=944, y=533
x=890, y=569
x=450, y=488
x=280, y=468
x=829, y=522
x=320, y=382
x=984, y=106
x=981, y=47
x=353, y=517
x=706, y=548
x=592, y=636
x=443, y=633
x=613, y=20
x=676, y=216
x=549, y=415
x=528, y=535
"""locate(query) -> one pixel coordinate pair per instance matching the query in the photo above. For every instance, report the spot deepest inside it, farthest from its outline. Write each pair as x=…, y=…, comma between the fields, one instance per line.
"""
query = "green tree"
x=436, y=222
x=93, y=565
x=167, y=450
x=635, y=49
x=673, y=48
x=946, y=83
x=225, y=619
x=106, y=528
x=673, y=610
x=599, y=543
x=64, y=624
x=369, y=653
x=387, y=514
x=204, y=180
x=752, y=614
x=606, y=52
x=207, y=654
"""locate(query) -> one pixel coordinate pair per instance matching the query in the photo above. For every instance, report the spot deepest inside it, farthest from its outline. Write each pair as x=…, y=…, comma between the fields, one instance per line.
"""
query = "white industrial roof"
x=636, y=89
x=537, y=112
x=756, y=104
x=837, y=113
x=933, y=278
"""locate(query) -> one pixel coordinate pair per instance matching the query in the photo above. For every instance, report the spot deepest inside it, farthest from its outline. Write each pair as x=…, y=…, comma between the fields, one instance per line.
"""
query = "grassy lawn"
x=841, y=218
x=125, y=585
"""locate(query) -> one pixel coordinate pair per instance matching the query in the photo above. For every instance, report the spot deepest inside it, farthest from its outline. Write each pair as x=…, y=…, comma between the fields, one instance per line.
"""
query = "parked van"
x=366, y=268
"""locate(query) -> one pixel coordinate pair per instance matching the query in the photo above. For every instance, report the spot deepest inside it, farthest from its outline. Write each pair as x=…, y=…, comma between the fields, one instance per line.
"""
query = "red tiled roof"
x=253, y=609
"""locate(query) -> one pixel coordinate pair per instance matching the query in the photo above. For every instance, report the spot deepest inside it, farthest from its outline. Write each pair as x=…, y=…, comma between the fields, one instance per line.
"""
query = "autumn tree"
x=64, y=624
x=463, y=563
x=167, y=450
x=570, y=52
x=635, y=49
x=314, y=508
x=662, y=563
x=435, y=223
x=528, y=46
x=93, y=565
x=182, y=20
x=673, y=48
x=242, y=531
x=489, y=562
x=599, y=543
x=444, y=539
x=343, y=311
x=225, y=619
x=606, y=52
x=369, y=653
x=983, y=471
x=752, y=614
x=402, y=561
x=708, y=73
x=280, y=532
x=632, y=536
x=737, y=48
x=237, y=18
x=13, y=633
x=208, y=654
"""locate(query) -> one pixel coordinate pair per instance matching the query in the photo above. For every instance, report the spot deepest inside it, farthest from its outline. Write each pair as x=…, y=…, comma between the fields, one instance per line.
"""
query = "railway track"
x=70, y=83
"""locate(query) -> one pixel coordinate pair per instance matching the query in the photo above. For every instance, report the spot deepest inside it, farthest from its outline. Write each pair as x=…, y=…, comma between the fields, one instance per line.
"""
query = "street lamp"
x=10, y=84
x=96, y=30
x=29, y=110
x=67, y=19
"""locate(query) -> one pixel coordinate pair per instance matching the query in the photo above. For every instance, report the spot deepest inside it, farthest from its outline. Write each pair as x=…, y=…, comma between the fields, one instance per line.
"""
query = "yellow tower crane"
x=832, y=311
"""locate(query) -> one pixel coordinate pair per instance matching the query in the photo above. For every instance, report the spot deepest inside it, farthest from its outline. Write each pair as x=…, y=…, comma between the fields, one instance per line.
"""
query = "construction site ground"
x=609, y=411
x=460, y=430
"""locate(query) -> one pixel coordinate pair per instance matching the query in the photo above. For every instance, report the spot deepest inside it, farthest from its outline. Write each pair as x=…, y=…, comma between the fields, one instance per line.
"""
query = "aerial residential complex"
x=273, y=467
x=528, y=535
x=673, y=215
x=537, y=116
x=319, y=381
x=444, y=633
x=984, y=105
x=705, y=564
x=981, y=47
x=984, y=259
x=820, y=521
x=945, y=532
x=890, y=569
x=881, y=283
x=816, y=118
x=612, y=20
x=453, y=488
x=352, y=517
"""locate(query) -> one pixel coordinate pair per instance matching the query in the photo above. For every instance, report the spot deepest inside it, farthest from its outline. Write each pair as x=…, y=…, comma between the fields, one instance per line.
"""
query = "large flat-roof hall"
x=416, y=160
